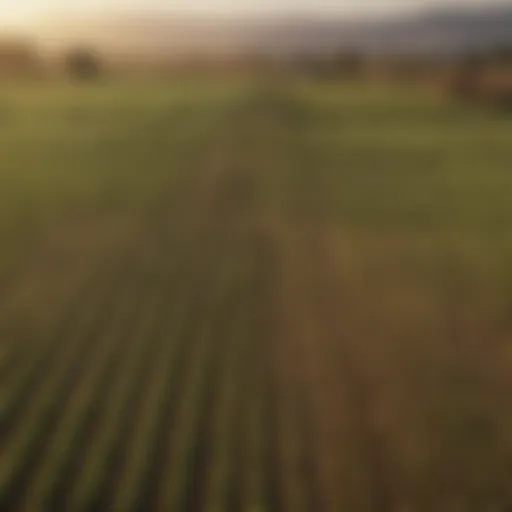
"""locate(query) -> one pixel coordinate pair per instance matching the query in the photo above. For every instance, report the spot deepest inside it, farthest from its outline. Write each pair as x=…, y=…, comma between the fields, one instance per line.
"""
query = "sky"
x=16, y=12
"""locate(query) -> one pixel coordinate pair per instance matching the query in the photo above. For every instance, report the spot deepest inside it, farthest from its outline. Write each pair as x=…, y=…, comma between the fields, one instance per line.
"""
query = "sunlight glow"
x=14, y=12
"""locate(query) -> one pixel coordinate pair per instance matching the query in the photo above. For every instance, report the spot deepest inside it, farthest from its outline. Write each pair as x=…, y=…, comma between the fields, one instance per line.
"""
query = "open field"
x=242, y=297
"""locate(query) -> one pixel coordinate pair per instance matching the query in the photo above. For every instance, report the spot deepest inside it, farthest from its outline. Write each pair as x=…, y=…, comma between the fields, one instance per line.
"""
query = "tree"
x=83, y=64
x=349, y=63
x=501, y=54
x=465, y=82
x=18, y=58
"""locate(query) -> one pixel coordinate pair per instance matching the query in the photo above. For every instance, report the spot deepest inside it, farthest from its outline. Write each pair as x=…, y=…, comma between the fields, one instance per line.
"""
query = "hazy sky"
x=20, y=11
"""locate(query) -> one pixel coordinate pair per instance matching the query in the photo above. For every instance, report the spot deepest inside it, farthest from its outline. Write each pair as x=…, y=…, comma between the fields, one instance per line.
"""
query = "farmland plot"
x=230, y=297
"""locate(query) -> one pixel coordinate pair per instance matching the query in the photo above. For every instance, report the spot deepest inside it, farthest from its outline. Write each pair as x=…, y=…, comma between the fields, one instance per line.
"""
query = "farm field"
x=239, y=296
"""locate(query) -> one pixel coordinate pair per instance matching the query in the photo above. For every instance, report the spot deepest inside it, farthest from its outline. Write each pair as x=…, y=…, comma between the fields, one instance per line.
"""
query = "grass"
x=228, y=296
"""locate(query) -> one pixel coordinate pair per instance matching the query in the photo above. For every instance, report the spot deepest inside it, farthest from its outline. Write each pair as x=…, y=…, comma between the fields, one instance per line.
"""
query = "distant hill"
x=443, y=30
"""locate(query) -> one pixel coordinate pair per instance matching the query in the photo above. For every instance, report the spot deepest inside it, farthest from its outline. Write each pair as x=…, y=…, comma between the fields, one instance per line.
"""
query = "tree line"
x=21, y=59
